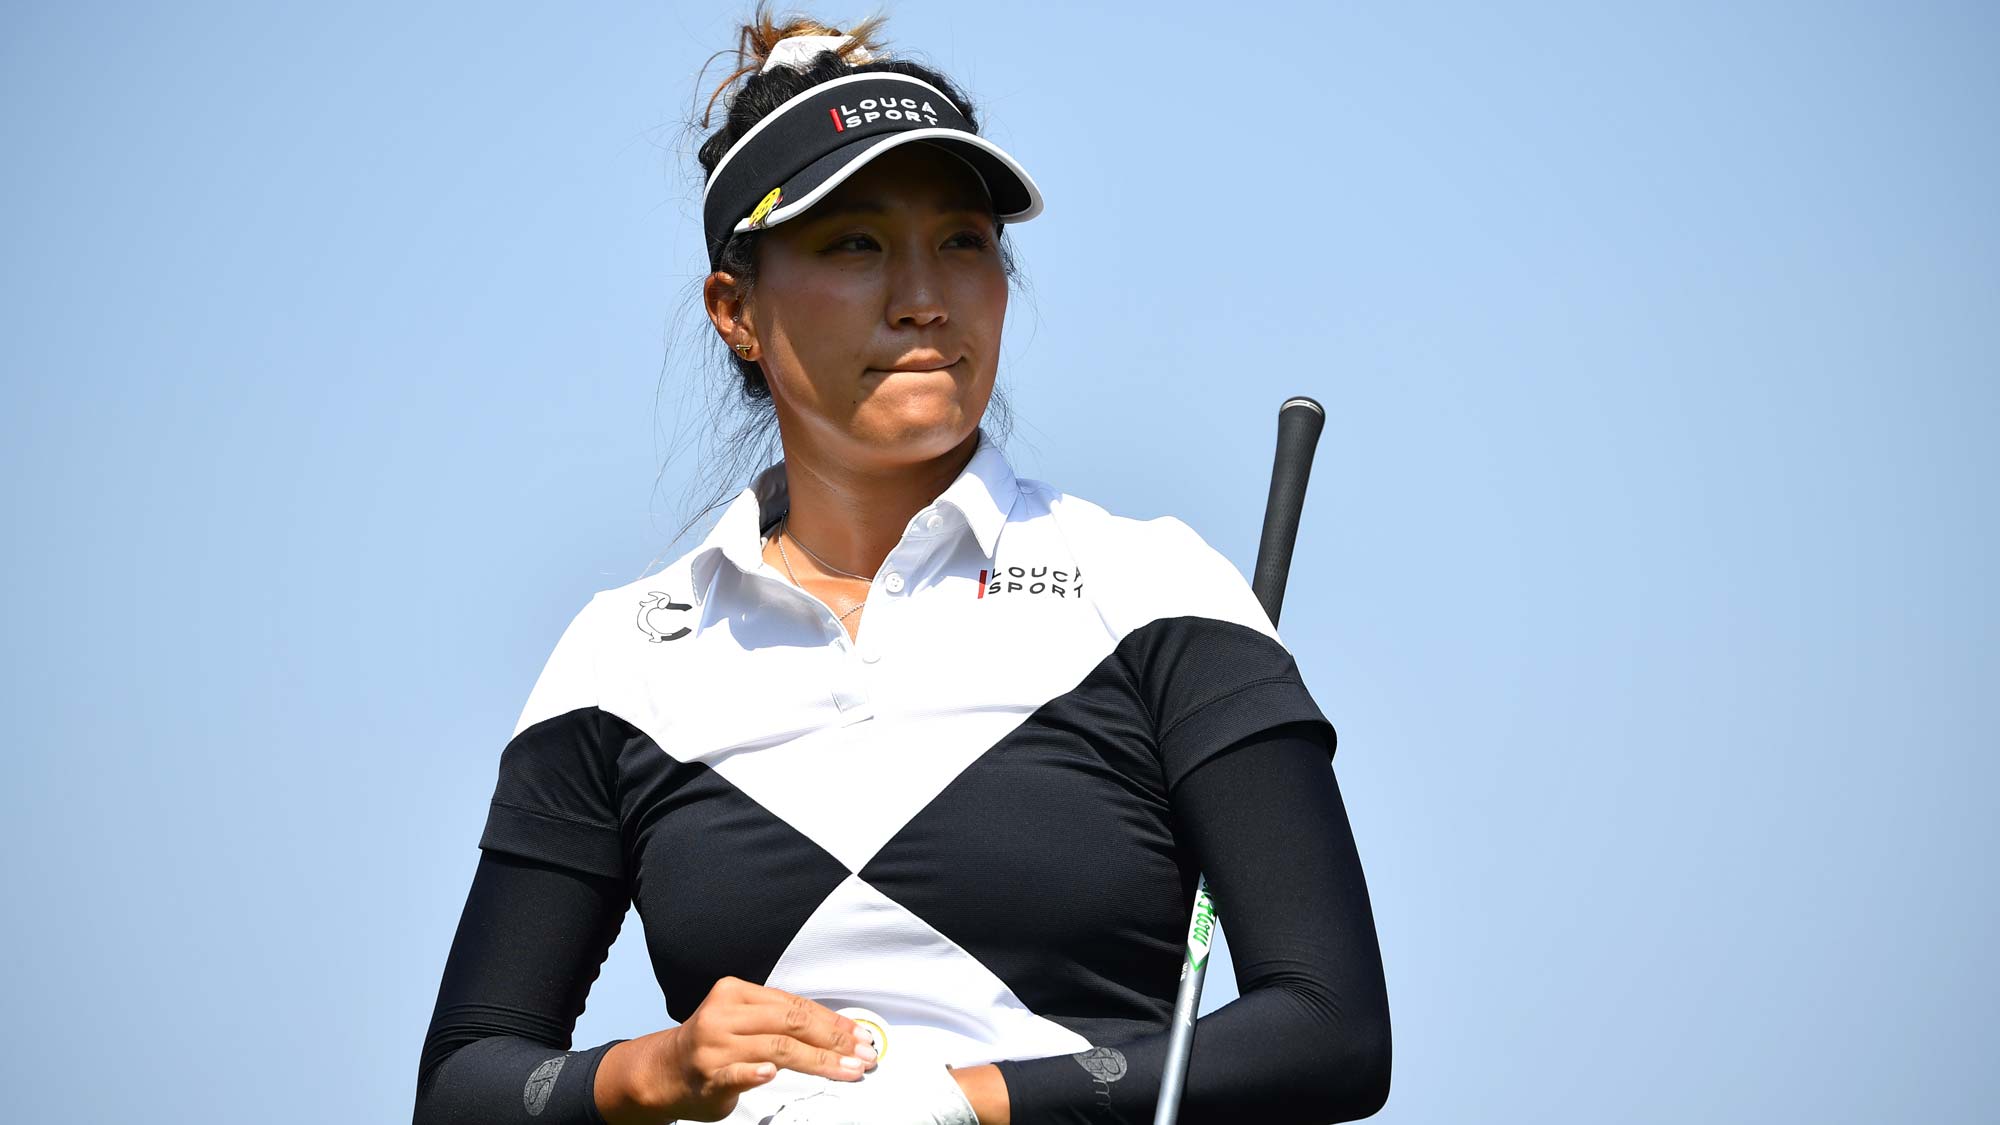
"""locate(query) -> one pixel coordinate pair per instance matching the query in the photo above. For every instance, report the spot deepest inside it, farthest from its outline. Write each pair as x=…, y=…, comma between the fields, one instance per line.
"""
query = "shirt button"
x=933, y=521
x=893, y=583
x=870, y=654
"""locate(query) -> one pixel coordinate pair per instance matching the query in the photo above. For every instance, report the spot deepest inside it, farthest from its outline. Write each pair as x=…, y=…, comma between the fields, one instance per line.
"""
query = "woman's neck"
x=853, y=516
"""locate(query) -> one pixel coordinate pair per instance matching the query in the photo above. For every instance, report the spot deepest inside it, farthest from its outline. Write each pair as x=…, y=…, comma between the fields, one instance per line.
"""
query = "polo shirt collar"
x=983, y=495
x=738, y=537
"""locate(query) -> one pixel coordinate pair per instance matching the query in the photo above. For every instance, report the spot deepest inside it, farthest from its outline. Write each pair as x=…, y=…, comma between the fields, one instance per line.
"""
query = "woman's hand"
x=735, y=1041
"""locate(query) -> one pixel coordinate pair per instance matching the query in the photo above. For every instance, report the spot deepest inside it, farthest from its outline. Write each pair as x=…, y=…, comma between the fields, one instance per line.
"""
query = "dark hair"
x=747, y=95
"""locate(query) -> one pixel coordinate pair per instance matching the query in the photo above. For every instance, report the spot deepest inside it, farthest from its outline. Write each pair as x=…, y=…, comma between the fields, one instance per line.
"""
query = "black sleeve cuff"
x=594, y=849
x=556, y=796
x=1232, y=719
x=509, y=1079
x=1210, y=684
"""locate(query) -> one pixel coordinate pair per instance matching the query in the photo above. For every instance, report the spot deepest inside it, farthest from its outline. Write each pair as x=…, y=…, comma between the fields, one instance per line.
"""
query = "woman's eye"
x=970, y=239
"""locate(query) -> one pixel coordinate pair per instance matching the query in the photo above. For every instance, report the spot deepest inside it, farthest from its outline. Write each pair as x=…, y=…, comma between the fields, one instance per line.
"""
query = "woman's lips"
x=918, y=366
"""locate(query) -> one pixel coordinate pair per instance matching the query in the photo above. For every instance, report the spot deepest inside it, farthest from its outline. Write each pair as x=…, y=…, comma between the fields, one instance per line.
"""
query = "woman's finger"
x=811, y=1023
x=796, y=1054
x=738, y=1077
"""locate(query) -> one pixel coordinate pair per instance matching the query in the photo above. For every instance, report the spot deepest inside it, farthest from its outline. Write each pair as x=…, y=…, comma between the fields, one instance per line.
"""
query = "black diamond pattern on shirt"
x=722, y=883
x=1050, y=860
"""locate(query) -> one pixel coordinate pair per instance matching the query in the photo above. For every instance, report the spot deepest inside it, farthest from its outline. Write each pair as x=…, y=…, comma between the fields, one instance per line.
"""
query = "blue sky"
x=1646, y=571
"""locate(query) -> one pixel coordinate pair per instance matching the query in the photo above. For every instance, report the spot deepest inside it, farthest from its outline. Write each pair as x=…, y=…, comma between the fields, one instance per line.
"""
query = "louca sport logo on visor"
x=916, y=111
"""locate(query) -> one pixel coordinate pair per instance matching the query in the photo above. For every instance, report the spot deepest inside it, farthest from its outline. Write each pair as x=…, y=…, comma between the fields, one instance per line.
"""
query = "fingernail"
x=867, y=1051
x=851, y=1063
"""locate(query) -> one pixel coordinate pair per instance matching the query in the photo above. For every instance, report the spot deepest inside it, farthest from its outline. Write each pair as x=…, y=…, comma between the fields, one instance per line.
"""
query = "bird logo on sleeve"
x=657, y=603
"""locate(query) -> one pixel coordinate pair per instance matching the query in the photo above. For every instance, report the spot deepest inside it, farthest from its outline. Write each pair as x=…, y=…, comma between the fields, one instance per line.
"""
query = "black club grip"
x=1300, y=420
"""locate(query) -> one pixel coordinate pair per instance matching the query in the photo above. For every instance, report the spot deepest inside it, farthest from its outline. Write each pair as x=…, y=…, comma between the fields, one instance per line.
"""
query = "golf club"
x=1299, y=422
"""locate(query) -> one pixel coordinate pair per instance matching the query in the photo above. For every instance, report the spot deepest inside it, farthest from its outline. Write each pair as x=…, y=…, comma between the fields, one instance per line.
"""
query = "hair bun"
x=759, y=46
x=798, y=51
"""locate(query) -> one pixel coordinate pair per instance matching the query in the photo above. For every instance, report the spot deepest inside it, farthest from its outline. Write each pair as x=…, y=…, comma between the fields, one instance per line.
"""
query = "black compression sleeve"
x=1308, y=1039
x=529, y=945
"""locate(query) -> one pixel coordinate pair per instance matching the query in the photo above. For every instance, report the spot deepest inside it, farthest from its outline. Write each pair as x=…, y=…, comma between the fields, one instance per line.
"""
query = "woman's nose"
x=916, y=294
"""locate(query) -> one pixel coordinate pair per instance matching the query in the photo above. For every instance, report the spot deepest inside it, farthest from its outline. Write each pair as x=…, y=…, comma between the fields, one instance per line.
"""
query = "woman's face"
x=876, y=314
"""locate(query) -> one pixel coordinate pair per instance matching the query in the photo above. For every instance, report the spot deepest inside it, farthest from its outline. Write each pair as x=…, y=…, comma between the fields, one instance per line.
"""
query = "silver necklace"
x=793, y=575
x=814, y=555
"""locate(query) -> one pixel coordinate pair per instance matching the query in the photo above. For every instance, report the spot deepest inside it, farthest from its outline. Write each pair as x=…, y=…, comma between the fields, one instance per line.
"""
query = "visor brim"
x=1015, y=197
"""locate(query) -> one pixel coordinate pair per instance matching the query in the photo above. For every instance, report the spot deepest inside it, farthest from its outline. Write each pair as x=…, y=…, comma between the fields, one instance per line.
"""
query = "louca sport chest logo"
x=878, y=109
x=659, y=614
x=1045, y=581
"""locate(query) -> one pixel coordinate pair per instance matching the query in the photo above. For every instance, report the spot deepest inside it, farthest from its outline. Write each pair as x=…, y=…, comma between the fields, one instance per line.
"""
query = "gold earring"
x=744, y=349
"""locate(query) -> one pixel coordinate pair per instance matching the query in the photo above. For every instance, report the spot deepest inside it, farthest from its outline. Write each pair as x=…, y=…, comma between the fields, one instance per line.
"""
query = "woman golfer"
x=910, y=767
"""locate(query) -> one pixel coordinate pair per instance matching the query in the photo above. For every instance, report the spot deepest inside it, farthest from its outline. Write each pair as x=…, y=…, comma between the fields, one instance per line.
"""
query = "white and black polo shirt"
x=962, y=819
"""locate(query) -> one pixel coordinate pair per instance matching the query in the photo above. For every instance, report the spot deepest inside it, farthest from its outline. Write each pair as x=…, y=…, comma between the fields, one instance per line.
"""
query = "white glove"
x=924, y=1095
x=901, y=1090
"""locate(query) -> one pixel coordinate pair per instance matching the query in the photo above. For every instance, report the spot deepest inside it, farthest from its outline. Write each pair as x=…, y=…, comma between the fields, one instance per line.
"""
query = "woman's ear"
x=729, y=310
